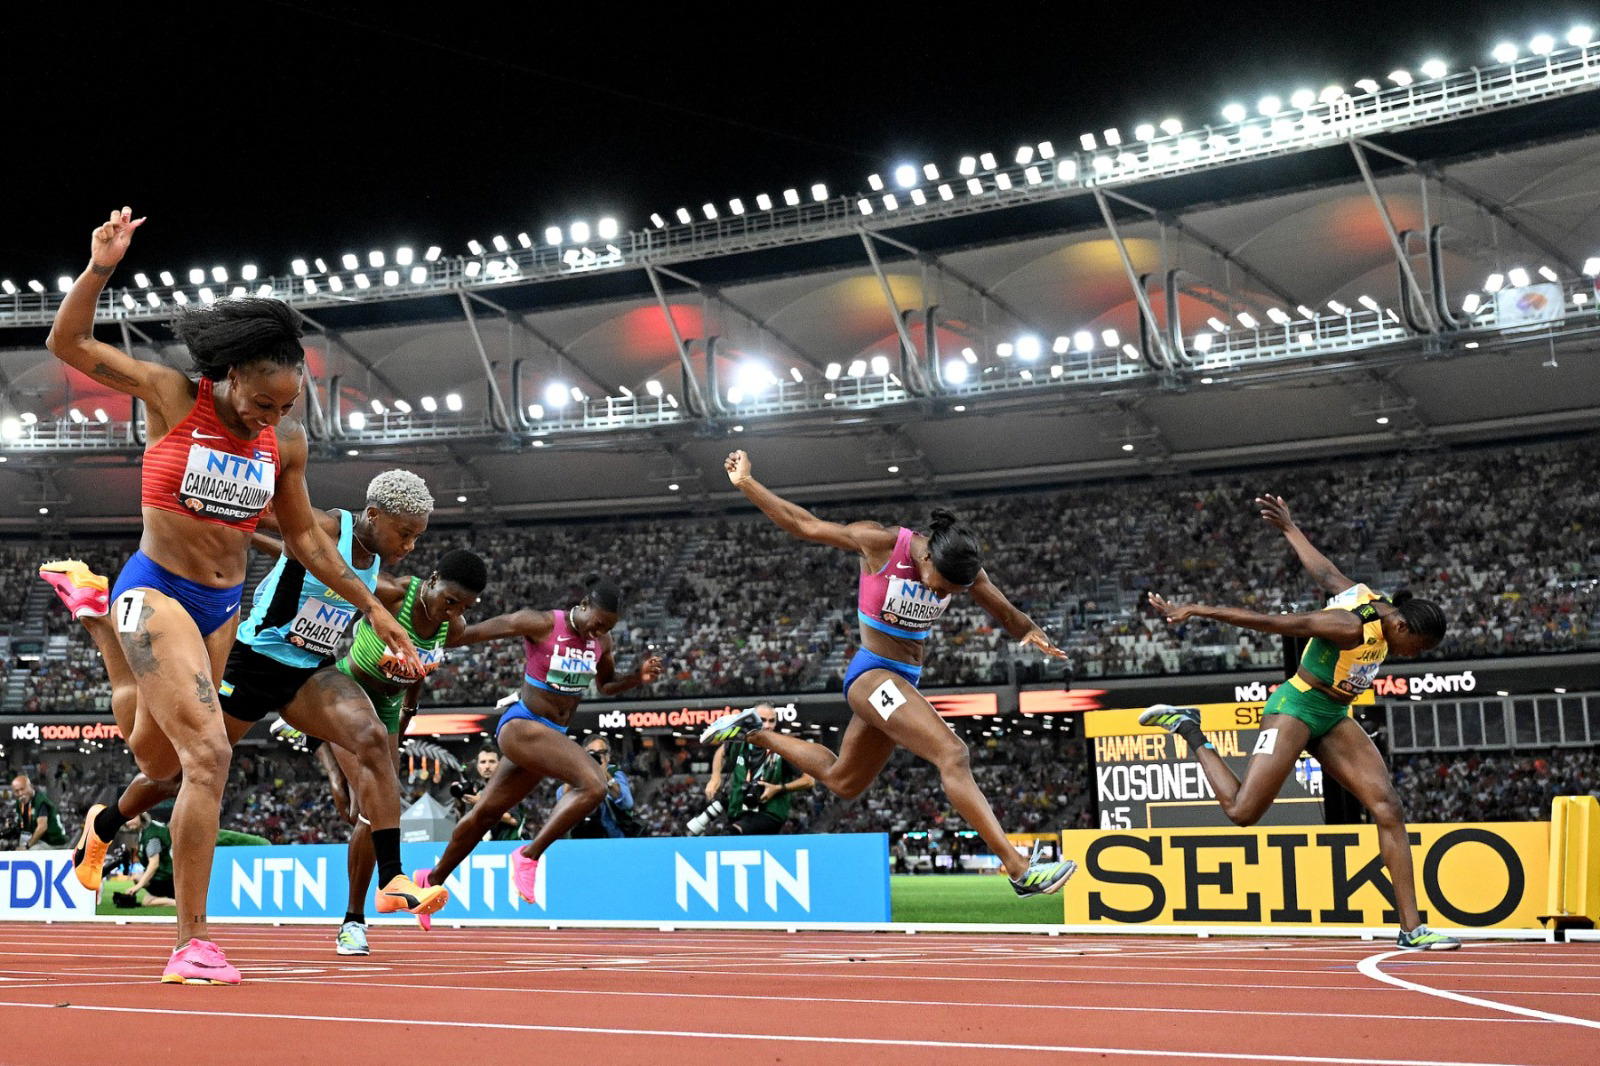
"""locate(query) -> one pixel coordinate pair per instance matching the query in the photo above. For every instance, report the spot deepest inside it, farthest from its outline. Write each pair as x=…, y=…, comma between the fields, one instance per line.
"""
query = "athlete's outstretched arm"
x=72, y=334
x=529, y=623
x=609, y=684
x=1342, y=629
x=1012, y=619
x=1321, y=569
x=861, y=537
x=308, y=542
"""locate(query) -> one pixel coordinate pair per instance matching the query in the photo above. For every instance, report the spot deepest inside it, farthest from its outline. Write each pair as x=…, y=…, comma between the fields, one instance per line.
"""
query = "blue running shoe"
x=1168, y=717
x=1043, y=878
x=735, y=726
x=1424, y=939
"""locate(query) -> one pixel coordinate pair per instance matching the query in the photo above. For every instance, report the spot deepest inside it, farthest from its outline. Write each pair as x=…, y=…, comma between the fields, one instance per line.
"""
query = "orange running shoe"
x=404, y=894
x=85, y=592
x=89, y=857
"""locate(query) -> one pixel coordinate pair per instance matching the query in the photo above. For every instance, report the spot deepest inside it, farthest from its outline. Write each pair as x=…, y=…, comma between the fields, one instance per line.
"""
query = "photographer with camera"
x=467, y=791
x=614, y=816
x=761, y=791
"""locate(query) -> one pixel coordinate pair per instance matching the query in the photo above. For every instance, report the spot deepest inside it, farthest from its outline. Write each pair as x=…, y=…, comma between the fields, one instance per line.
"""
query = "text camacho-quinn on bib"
x=226, y=486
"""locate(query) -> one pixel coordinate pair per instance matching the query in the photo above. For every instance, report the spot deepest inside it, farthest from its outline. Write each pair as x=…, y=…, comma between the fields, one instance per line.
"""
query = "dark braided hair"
x=465, y=569
x=238, y=331
x=603, y=593
x=954, y=547
x=1423, y=617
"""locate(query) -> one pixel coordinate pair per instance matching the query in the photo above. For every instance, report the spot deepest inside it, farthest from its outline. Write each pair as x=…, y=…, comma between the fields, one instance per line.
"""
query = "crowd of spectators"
x=1506, y=538
x=1493, y=786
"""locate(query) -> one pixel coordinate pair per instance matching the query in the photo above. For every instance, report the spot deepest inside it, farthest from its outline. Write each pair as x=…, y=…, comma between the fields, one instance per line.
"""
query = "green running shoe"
x=352, y=939
x=735, y=726
x=1169, y=717
x=1043, y=878
x=1424, y=939
x=282, y=730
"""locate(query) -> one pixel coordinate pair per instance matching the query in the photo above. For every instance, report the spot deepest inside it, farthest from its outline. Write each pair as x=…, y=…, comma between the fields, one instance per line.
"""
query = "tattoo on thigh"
x=138, y=644
x=202, y=691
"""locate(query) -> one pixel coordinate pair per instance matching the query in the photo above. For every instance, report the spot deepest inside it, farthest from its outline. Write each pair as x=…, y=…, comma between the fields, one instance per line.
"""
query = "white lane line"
x=690, y=1034
x=1371, y=966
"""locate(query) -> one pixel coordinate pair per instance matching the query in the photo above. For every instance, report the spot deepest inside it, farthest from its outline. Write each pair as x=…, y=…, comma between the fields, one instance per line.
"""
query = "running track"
x=73, y=993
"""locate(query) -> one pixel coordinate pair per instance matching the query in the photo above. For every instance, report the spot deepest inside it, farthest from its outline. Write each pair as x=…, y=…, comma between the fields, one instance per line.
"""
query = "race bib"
x=226, y=486
x=911, y=603
x=1360, y=677
x=572, y=670
x=389, y=666
x=319, y=625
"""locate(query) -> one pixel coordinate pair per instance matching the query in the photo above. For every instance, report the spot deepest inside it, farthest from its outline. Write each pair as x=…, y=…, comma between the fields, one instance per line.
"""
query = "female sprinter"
x=1346, y=643
x=282, y=663
x=221, y=450
x=566, y=652
x=907, y=579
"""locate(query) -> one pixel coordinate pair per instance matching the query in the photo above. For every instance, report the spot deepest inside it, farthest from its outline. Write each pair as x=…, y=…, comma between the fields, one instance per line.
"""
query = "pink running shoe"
x=86, y=593
x=199, y=962
x=421, y=878
x=523, y=875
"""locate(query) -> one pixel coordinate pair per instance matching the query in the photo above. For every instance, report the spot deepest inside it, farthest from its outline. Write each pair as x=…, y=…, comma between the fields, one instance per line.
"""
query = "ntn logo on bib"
x=432, y=659
x=319, y=625
x=223, y=485
x=572, y=669
x=908, y=602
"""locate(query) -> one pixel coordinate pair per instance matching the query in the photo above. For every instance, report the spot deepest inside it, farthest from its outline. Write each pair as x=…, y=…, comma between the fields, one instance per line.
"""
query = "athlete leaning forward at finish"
x=220, y=451
x=565, y=653
x=1346, y=642
x=907, y=580
x=282, y=663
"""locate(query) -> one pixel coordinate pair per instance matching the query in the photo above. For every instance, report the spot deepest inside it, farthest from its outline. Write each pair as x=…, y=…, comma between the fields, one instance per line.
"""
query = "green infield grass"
x=967, y=898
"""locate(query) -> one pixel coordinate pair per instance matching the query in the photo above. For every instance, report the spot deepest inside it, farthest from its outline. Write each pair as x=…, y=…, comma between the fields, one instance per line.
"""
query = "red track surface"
x=75, y=993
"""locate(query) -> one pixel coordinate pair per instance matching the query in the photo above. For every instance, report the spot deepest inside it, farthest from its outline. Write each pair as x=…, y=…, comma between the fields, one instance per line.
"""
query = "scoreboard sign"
x=1147, y=779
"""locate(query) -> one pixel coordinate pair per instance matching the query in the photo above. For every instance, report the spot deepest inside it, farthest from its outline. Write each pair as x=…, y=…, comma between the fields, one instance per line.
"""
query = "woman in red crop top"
x=221, y=451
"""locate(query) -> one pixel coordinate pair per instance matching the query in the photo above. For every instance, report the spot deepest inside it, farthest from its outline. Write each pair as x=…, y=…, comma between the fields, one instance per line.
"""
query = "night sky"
x=254, y=133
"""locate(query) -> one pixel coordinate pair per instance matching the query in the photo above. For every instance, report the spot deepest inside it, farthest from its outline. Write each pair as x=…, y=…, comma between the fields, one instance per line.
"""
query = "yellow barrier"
x=1574, y=858
x=1485, y=875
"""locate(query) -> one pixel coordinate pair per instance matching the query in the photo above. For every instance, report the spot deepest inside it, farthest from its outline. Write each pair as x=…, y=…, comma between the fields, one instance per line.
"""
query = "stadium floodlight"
x=404, y=256
x=1112, y=137
x=1301, y=99
x=930, y=172
x=657, y=221
x=735, y=207
x=1083, y=341
x=263, y=290
x=101, y=416
x=10, y=428
x=153, y=299
x=955, y=372
x=1233, y=112
x=875, y=182
x=819, y=192
x=77, y=416
x=1067, y=170
x=1268, y=106
x=831, y=372
x=1368, y=302
x=1029, y=347
x=1367, y=85
x=970, y=356
x=1505, y=52
x=299, y=268
x=429, y=404
x=1433, y=68
x=975, y=186
x=1542, y=45
x=1305, y=312
x=919, y=197
x=579, y=231
x=402, y=406
x=1471, y=303
x=9, y=286
x=946, y=192
x=536, y=411
x=219, y=274
x=142, y=280
x=905, y=175
x=1144, y=131
x=1004, y=349
x=1591, y=265
x=1024, y=155
x=180, y=298
x=1047, y=150
x=1025, y=374
x=1580, y=36
x=474, y=268
x=363, y=282
x=1517, y=276
x=1202, y=342
x=197, y=276
x=1061, y=345
x=1331, y=93
x=763, y=202
x=755, y=377
x=578, y=395
x=207, y=297
x=1401, y=78
x=880, y=365
x=606, y=228
x=889, y=201
x=1109, y=338
x=128, y=301
x=63, y=283
x=391, y=277
x=1171, y=127
x=1002, y=180
x=1087, y=142
x=452, y=401
x=375, y=258
x=858, y=368
x=1338, y=308
x=1278, y=315
x=987, y=161
x=1033, y=175
x=684, y=216
x=1128, y=447
x=419, y=274
x=336, y=283
x=1055, y=370
x=522, y=238
x=357, y=420
x=555, y=394
x=966, y=168
x=1217, y=324
x=238, y=290
x=1548, y=274
x=864, y=205
x=653, y=387
x=28, y=418
x=1247, y=320
x=498, y=240
x=378, y=408
x=168, y=280
x=791, y=197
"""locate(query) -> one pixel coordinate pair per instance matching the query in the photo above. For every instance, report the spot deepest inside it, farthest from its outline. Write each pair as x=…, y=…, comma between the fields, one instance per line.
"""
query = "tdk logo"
x=708, y=882
x=273, y=872
x=36, y=884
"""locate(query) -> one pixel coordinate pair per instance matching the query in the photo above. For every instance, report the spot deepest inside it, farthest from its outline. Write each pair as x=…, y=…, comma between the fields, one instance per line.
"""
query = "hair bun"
x=1402, y=596
x=591, y=581
x=941, y=519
